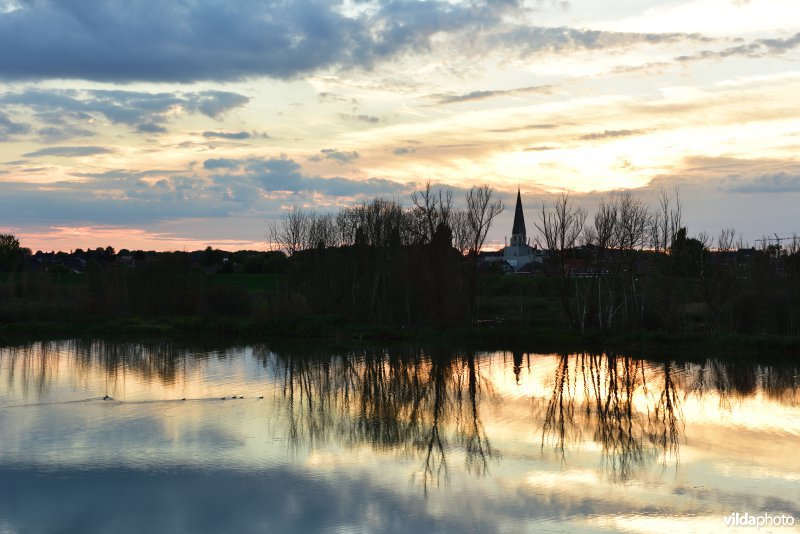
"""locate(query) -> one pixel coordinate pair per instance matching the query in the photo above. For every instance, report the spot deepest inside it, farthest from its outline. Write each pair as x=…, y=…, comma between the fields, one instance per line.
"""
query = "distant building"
x=519, y=255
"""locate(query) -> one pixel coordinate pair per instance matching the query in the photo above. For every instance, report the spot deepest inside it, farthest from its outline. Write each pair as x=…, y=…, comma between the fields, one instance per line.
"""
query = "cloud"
x=780, y=182
x=142, y=111
x=220, y=163
x=220, y=40
x=69, y=151
x=403, y=150
x=215, y=103
x=225, y=41
x=339, y=156
x=367, y=118
x=283, y=174
x=755, y=49
x=610, y=134
x=280, y=174
x=483, y=95
x=149, y=127
x=9, y=128
x=227, y=135
x=52, y=134
x=330, y=97
x=532, y=40
x=540, y=148
x=525, y=127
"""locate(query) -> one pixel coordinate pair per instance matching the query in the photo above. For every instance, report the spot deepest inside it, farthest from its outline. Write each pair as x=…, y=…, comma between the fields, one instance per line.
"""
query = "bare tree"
x=459, y=222
x=561, y=227
x=602, y=235
x=290, y=232
x=321, y=231
x=481, y=211
x=433, y=209
x=676, y=216
x=726, y=239
x=633, y=222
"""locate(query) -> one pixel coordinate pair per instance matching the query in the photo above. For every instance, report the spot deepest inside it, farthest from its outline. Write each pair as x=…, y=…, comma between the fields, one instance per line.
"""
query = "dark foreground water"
x=399, y=440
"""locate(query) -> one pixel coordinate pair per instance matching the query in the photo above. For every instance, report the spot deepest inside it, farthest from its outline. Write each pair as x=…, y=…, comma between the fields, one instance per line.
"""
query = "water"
x=395, y=440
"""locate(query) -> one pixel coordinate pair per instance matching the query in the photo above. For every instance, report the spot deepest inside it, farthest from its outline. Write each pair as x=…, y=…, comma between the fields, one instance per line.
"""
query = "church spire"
x=519, y=219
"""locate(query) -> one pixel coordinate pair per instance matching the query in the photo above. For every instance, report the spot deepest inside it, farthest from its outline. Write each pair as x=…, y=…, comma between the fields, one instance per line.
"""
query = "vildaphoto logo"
x=746, y=519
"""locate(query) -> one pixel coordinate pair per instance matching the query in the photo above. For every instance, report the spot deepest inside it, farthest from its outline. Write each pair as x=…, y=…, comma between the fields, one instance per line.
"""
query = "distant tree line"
x=628, y=267
x=380, y=262
x=632, y=266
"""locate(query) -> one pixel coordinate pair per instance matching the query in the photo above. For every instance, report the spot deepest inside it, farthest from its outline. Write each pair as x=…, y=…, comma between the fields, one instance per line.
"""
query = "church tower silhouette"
x=518, y=234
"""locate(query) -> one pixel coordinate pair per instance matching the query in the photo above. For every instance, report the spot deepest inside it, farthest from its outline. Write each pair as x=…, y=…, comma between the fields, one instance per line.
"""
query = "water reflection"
x=428, y=404
x=420, y=404
x=632, y=412
x=577, y=431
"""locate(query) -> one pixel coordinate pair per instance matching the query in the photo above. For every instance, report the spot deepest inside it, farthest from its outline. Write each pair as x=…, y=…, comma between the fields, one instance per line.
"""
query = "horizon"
x=130, y=130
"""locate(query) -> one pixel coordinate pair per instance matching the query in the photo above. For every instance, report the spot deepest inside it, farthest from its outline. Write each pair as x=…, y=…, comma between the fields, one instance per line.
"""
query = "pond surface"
x=394, y=440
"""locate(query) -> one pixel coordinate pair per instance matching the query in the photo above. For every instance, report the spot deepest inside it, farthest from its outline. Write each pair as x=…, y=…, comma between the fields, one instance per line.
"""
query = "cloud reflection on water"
x=462, y=440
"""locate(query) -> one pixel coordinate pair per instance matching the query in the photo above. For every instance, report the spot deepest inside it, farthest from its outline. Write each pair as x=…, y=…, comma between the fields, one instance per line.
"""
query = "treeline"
x=101, y=284
x=377, y=262
x=635, y=267
x=628, y=267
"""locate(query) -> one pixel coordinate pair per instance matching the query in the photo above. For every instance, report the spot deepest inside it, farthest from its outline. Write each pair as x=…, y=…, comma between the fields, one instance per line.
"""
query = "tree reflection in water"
x=422, y=404
x=427, y=405
x=632, y=410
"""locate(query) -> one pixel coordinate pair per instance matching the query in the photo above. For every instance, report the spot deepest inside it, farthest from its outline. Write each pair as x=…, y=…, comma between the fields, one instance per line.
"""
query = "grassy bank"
x=326, y=329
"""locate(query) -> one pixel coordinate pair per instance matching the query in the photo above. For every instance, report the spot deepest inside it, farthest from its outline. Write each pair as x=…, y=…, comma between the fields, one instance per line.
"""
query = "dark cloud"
x=51, y=134
x=403, y=150
x=283, y=174
x=367, y=118
x=483, y=95
x=215, y=103
x=339, y=156
x=370, y=119
x=780, y=182
x=69, y=151
x=150, y=40
x=193, y=40
x=530, y=40
x=220, y=163
x=610, y=134
x=9, y=128
x=239, y=136
x=149, y=127
x=140, y=110
x=755, y=49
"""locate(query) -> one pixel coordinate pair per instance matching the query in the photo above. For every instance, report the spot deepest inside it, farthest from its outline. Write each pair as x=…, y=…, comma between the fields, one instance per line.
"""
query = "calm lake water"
x=394, y=440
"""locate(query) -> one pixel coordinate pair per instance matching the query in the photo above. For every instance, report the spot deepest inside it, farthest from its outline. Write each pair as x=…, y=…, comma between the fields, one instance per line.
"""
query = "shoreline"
x=331, y=329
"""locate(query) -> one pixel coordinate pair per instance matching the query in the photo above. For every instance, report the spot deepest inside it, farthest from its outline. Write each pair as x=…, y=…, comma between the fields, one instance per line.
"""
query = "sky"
x=177, y=125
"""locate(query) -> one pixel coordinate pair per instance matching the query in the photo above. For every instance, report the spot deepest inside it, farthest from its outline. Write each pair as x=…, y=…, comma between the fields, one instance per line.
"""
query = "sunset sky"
x=176, y=125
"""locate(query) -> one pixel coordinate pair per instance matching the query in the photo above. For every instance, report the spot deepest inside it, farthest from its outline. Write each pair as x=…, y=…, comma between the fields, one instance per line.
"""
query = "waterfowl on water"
x=106, y=398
